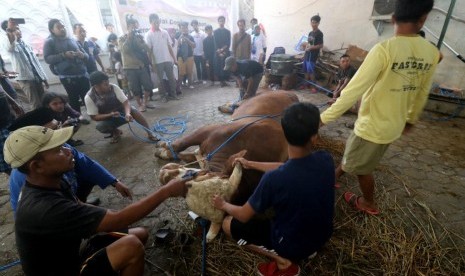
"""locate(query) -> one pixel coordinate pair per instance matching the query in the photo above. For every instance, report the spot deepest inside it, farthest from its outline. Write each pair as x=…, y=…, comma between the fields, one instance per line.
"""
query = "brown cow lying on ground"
x=261, y=136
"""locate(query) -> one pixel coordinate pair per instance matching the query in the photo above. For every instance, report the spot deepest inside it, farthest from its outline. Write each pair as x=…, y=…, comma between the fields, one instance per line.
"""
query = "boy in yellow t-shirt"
x=393, y=84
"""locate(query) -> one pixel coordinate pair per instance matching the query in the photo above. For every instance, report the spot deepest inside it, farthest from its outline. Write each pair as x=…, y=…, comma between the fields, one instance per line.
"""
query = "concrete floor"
x=430, y=160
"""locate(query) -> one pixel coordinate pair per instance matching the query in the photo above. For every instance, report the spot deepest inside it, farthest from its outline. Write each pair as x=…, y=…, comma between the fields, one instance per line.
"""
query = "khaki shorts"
x=186, y=67
x=361, y=157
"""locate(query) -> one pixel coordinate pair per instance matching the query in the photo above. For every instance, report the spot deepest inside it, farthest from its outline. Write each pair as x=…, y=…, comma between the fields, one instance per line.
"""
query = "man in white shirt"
x=253, y=22
x=163, y=57
x=107, y=104
x=199, y=61
x=258, y=45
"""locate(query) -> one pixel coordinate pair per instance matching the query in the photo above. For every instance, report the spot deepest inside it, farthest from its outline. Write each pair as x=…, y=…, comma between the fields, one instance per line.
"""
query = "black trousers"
x=76, y=87
x=200, y=67
x=222, y=75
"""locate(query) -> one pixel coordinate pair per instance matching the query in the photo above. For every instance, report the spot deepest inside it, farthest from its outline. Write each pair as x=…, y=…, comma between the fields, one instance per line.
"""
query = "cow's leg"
x=163, y=151
x=187, y=157
x=213, y=231
x=194, y=139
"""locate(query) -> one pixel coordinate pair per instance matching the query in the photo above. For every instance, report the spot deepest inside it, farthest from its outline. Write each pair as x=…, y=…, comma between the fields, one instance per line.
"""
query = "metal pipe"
x=458, y=19
x=445, y=44
x=446, y=23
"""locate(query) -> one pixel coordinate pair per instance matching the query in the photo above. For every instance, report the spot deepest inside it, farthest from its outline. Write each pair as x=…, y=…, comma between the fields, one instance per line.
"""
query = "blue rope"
x=173, y=153
x=163, y=127
x=234, y=105
x=164, y=124
x=211, y=154
x=328, y=92
x=321, y=105
x=203, y=222
x=255, y=116
x=10, y=265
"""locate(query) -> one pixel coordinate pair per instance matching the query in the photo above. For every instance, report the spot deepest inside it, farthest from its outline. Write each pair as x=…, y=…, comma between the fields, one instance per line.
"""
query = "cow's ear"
x=228, y=168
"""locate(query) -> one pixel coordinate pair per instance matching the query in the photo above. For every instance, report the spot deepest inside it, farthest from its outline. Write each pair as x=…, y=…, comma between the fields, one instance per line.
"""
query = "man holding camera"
x=134, y=54
x=31, y=76
x=186, y=54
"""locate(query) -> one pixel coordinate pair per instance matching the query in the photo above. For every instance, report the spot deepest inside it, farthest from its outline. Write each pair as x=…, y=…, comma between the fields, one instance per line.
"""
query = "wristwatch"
x=114, y=183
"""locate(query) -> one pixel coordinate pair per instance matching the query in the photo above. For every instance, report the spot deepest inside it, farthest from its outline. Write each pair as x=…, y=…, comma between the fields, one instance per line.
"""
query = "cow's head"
x=202, y=187
x=173, y=170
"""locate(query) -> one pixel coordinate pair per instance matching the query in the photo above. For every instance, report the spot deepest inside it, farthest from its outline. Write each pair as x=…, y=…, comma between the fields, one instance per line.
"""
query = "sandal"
x=120, y=132
x=115, y=139
x=75, y=143
x=116, y=135
x=152, y=138
x=352, y=199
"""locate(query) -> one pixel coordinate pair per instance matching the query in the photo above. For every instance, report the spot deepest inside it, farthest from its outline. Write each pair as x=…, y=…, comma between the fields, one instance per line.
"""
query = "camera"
x=72, y=122
x=18, y=20
x=136, y=32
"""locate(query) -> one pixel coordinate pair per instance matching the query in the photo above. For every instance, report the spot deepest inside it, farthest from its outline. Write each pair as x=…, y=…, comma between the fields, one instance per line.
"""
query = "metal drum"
x=282, y=64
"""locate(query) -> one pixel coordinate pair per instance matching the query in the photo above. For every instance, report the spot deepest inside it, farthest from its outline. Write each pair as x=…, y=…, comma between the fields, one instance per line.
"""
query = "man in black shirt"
x=51, y=223
x=312, y=50
x=343, y=75
x=222, y=42
x=209, y=53
x=248, y=75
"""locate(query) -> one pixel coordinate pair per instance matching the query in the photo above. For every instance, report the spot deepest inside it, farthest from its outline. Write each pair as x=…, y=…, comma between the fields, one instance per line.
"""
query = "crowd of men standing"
x=167, y=59
x=174, y=55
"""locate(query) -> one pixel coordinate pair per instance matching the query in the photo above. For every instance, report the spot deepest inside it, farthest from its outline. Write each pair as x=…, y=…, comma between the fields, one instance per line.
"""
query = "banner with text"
x=173, y=12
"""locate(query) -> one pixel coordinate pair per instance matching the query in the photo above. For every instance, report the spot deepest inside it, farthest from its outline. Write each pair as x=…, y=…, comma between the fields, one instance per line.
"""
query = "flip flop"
x=120, y=132
x=114, y=139
x=153, y=138
x=352, y=200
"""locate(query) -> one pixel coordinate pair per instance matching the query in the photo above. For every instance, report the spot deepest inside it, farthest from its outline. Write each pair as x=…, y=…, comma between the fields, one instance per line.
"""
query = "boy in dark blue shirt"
x=301, y=192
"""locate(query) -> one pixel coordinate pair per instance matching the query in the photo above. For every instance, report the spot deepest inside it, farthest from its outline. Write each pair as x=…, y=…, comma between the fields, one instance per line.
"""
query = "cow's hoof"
x=163, y=153
x=161, y=144
x=168, y=172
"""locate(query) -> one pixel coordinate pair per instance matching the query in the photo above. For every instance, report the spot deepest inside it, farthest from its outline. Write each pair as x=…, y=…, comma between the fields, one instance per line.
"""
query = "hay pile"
x=405, y=239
